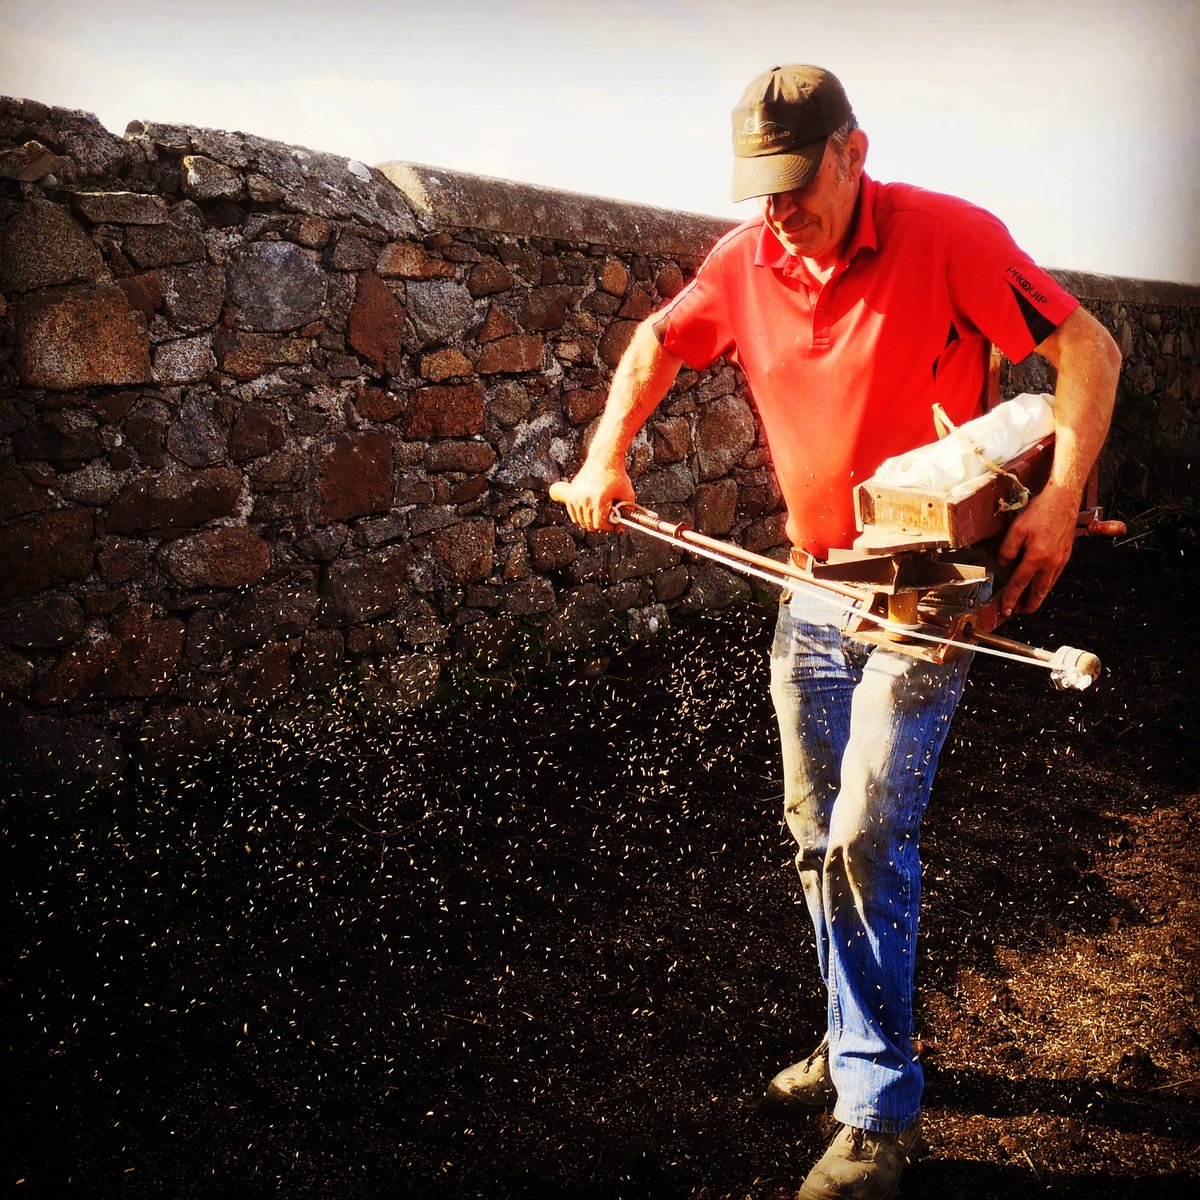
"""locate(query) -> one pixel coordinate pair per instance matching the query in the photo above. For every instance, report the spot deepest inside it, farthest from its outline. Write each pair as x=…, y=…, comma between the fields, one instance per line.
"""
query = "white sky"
x=1075, y=121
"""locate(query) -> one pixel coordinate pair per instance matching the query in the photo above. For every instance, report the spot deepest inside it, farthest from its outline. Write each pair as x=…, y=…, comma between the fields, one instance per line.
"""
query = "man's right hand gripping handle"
x=589, y=497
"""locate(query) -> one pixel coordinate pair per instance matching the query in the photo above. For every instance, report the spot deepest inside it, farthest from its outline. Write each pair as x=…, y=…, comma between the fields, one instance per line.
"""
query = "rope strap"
x=1020, y=495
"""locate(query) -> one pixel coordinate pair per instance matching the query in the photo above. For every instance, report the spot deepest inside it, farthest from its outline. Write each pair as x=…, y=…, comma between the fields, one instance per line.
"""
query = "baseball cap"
x=779, y=128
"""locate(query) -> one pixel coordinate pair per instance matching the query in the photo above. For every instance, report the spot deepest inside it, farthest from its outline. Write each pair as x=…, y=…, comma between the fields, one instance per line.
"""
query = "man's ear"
x=856, y=152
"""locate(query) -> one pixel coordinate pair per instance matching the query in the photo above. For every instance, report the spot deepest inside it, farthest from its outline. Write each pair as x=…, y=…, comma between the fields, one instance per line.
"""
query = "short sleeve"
x=996, y=287
x=696, y=325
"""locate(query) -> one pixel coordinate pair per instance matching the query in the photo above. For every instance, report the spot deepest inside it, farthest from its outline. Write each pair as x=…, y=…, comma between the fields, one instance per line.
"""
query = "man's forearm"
x=642, y=378
x=1089, y=365
x=1039, y=541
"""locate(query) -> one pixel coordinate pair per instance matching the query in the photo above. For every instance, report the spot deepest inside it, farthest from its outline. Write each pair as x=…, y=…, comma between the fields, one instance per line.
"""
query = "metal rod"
x=636, y=517
x=1078, y=669
x=1003, y=643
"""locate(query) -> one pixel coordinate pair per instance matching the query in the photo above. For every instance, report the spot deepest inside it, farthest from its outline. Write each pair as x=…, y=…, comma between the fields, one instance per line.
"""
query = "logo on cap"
x=754, y=125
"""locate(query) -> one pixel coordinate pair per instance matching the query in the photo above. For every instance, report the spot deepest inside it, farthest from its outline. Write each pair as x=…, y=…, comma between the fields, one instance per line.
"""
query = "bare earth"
x=548, y=942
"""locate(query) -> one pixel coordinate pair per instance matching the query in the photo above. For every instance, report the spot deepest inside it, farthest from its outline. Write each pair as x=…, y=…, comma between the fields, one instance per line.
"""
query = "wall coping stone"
x=442, y=199
x=1122, y=288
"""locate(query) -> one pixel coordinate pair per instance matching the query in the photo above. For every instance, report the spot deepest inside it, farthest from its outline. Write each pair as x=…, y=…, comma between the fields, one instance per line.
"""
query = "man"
x=853, y=306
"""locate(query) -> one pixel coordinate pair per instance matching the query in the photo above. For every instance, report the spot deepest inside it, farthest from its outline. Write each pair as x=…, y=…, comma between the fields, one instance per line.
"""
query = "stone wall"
x=270, y=418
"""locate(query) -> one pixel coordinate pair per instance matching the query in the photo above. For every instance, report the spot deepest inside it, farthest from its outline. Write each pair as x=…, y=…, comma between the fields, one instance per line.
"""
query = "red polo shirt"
x=844, y=374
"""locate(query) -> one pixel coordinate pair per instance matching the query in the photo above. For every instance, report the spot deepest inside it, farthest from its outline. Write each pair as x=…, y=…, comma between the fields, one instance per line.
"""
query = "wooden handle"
x=1105, y=528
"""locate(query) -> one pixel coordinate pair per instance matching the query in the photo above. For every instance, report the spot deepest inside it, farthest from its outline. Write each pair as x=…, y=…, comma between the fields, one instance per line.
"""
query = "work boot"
x=861, y=1165
x=804, y=1087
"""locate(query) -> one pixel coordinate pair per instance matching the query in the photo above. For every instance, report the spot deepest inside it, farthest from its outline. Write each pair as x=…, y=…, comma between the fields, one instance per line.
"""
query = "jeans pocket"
x=856, y=652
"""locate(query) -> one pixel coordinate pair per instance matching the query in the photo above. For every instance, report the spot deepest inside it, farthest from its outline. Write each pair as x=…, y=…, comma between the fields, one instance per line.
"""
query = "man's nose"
x=781, y=205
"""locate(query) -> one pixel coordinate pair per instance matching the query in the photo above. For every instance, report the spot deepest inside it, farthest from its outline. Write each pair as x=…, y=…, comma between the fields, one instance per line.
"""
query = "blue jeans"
x=861, y=730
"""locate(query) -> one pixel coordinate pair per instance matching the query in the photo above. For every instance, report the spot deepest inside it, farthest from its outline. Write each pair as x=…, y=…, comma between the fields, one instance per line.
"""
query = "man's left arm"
x=1039, y=541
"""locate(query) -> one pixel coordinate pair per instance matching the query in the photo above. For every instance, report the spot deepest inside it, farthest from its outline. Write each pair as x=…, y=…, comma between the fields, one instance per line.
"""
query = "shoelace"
x=823, y=1048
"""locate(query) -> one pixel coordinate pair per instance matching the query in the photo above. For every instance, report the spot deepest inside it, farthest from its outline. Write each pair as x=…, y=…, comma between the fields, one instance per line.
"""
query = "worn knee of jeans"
x=811, y=696
x=809, y=791
x=867, y=864
x=854, y=863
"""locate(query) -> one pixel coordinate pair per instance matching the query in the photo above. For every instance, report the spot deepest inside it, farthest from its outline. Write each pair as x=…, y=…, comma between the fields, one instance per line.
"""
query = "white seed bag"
x=1001, y=434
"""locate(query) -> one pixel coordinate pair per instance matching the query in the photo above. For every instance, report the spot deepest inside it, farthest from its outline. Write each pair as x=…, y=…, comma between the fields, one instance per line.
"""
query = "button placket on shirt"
x=822, y=334
x=802, y=283
x=821, y=318
x=819, y=297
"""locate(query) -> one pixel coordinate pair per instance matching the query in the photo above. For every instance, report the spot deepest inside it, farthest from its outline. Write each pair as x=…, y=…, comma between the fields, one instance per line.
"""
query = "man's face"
x=814, y=221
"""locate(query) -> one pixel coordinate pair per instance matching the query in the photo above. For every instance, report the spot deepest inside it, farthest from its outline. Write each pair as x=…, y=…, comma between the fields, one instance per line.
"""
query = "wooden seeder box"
x=892, y=517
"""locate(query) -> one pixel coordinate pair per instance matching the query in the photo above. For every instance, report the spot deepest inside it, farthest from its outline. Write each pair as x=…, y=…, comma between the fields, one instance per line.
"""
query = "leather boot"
x=804, y=1087
x=862, y=1165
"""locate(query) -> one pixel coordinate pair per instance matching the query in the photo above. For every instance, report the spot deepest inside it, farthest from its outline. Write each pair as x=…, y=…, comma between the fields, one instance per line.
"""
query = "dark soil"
x=550, y=943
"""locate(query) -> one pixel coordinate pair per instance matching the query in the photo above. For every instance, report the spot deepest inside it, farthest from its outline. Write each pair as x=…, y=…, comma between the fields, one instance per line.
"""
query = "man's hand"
x=589, y=497
x=1040, y=539
x=1039, y=543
